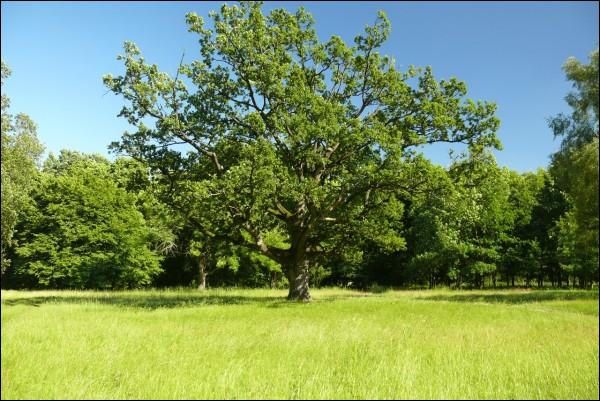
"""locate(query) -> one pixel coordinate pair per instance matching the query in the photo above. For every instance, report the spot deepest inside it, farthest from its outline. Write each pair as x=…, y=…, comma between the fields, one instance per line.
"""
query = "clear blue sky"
x=507, y=52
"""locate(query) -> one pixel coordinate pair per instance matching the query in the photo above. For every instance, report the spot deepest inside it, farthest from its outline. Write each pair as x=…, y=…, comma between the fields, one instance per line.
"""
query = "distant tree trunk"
x=273, y=279
x=494, y=280
x=202, y=272
x=513, y=281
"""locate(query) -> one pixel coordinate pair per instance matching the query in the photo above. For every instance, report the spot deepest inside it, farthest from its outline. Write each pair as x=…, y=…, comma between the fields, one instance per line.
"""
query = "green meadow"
x=235, y=344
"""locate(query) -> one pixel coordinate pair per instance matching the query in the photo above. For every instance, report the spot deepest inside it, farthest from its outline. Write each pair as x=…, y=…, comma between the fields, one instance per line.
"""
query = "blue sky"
x=507, y=52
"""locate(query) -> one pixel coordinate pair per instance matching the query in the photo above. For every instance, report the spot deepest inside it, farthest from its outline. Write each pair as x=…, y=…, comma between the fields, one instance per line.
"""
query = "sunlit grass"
x=230, y=344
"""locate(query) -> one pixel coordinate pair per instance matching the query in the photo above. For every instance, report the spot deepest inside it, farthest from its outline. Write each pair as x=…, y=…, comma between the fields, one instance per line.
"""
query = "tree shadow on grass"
x=520, y=297
x=146, y=301
x=155, y=301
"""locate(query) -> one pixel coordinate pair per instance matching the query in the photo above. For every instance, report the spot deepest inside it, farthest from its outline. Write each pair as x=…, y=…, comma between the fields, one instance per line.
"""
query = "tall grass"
x=231, y=344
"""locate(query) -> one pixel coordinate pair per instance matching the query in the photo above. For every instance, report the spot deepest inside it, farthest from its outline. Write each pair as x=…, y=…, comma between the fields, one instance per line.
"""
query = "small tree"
x=83, y=231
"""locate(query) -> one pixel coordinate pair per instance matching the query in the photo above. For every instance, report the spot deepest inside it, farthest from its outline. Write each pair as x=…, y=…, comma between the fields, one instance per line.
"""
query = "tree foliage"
x=315, y=140
x=277, y=158
x=575, y=169
x=21, y=151
x=83, y=231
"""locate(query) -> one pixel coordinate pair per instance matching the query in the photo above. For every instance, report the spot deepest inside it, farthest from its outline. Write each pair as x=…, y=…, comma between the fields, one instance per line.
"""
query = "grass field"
x=231, y=344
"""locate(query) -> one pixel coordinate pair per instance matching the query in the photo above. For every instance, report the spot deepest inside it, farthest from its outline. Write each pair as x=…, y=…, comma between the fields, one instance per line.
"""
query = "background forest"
x=229, y=185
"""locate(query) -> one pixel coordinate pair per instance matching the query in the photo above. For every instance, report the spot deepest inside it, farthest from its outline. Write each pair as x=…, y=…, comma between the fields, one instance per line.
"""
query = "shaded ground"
x=160, y=299
x=515, y=296
x=147, y=302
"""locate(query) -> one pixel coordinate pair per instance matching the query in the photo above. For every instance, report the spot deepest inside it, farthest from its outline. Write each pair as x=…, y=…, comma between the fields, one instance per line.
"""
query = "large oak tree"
x=273, y=132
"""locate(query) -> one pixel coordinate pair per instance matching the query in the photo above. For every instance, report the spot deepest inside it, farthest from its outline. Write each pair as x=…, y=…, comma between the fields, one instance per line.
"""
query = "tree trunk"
x=202, y=273
x=297, y=273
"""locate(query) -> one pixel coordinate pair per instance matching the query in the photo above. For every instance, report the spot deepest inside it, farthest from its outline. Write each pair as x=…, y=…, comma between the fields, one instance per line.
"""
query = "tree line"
x=277, y=159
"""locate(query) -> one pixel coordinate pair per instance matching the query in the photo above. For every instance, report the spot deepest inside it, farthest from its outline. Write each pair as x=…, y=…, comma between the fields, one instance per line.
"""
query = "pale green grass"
x=231, y=344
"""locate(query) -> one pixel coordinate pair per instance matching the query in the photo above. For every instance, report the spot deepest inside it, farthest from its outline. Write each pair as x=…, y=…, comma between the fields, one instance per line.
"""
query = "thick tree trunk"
x=202, y=273
x=298, y=275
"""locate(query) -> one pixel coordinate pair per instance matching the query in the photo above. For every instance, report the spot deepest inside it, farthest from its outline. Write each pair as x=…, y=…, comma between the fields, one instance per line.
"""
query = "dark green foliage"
x=83, y=231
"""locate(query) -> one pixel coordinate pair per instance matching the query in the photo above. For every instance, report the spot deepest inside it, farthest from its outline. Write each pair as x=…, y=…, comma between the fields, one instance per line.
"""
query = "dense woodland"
x=277, y=159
